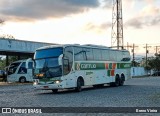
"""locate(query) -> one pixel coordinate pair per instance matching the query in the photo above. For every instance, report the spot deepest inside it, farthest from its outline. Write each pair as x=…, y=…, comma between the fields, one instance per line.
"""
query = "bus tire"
x=121, y=83
x=79, y=85
x=22, y=79
x=54, y=90
x=116, y=83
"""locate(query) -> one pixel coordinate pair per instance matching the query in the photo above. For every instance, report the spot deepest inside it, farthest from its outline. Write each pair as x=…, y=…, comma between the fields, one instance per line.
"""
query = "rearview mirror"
x=60, y=59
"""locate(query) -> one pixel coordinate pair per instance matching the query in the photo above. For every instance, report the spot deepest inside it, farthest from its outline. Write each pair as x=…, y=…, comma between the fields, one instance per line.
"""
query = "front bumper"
x=48, y=85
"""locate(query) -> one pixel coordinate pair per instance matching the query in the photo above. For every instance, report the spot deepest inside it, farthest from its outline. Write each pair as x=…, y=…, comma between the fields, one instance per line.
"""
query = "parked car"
x=156, y=73
x=2, y=73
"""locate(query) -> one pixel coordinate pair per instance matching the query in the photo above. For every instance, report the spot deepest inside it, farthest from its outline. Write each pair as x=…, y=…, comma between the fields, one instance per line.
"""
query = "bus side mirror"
x=60, y=59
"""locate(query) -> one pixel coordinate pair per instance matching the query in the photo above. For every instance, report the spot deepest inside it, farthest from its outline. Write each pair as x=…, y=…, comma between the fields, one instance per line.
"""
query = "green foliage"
x=10, y=59
x=135, y=64
x=154, y=63
x=2, y=64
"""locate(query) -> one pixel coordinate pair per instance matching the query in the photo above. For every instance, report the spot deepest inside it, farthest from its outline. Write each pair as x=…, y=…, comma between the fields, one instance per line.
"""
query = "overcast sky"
x=80, y=21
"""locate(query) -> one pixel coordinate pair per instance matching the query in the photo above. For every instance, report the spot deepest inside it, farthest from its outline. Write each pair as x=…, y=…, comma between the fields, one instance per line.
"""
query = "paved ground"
x=137, y=92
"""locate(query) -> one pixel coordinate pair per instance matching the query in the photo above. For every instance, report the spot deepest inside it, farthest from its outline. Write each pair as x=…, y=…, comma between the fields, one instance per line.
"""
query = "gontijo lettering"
x=86, y=66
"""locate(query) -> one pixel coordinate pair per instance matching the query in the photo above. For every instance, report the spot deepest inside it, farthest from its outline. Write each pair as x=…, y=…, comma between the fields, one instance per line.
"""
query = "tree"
x=135, y=64
x=2, y=64
x=3, y=61
x=5, y=36
x=154, y=63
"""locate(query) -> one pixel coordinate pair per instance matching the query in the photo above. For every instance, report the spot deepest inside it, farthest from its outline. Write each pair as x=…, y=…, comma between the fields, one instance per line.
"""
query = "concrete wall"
x=20, y=45
x=138, y=71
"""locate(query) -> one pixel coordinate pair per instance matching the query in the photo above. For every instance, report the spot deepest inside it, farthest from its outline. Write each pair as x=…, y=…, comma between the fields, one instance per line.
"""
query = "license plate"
x=45, y=87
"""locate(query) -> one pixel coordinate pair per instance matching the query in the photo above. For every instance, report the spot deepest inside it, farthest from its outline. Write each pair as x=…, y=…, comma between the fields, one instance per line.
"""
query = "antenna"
x=117, y=25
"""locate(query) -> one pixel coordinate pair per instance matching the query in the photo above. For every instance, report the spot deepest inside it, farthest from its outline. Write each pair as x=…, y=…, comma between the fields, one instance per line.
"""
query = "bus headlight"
x=57, y=82
x=36, y=81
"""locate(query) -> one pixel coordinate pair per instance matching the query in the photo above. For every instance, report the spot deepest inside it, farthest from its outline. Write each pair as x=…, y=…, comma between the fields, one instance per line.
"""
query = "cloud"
x=149, y=1
x=98, y=28
x=107, y=4
x=134, y=22
x=41, y=9
x=148, y=16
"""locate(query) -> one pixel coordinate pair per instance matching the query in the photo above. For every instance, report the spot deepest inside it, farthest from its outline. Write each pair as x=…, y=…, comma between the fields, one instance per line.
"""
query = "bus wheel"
x=116, y=83
x=22, y=79
x=121, y=83
x=79, y=85
x=54, y=90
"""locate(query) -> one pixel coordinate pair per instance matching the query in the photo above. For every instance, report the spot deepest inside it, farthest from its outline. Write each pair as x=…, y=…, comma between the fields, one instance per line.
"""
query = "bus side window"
x=30, y=65
x=68, y=60
x=105, y=55
x=113, y=55
x=89, y=54
x=97, y=54
x=22, y=69
x=79, y=54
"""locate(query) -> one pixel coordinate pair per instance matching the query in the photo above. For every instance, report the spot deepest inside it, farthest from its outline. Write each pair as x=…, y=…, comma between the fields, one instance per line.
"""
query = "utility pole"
x=127, y=46
x=117, y=25
x=147, y=52
x=133, y=51
x=157, y=50
x=133, y=56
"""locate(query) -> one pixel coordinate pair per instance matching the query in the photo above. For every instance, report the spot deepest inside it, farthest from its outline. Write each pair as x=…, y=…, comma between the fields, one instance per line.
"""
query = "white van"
x=17, y=71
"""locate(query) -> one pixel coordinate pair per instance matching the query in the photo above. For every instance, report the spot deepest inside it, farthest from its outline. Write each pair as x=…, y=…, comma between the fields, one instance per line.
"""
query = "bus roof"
x=78, y=45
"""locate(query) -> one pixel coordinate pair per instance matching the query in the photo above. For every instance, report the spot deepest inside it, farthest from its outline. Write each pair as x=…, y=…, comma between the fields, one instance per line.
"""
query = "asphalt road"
x=137, y=92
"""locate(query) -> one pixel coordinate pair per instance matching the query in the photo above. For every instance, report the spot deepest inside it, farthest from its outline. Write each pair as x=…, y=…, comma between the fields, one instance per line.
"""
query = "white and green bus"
x=73, y=66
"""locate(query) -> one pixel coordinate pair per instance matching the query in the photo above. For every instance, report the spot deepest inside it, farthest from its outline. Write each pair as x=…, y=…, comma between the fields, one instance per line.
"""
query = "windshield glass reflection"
x=49, y=67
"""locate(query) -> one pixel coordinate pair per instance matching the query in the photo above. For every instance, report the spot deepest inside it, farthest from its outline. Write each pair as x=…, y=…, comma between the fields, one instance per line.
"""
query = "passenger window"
x=105, y=54
x=30, y=65
x=89, y=54
x=97, y=54
x=113, y=55
x=79, y=54
x=22, y=69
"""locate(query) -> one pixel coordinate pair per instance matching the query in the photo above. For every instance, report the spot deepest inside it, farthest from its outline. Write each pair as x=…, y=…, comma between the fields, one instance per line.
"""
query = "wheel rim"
x=22, y=80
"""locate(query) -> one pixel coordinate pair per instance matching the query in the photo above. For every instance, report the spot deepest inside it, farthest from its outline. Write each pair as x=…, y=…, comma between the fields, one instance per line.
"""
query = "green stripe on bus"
x=89, y=66
x=95, y=66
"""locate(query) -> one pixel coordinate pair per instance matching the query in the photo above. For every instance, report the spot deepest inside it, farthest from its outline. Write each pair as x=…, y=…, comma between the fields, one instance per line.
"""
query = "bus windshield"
x=50, y=52
x=13, y=67
x=46, y=63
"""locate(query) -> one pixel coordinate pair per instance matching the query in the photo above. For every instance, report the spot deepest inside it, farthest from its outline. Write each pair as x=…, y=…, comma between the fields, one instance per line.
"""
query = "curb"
x=9, y=83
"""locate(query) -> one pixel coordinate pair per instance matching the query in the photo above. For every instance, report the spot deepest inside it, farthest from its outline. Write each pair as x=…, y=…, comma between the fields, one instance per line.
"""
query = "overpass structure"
x=19, y=48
